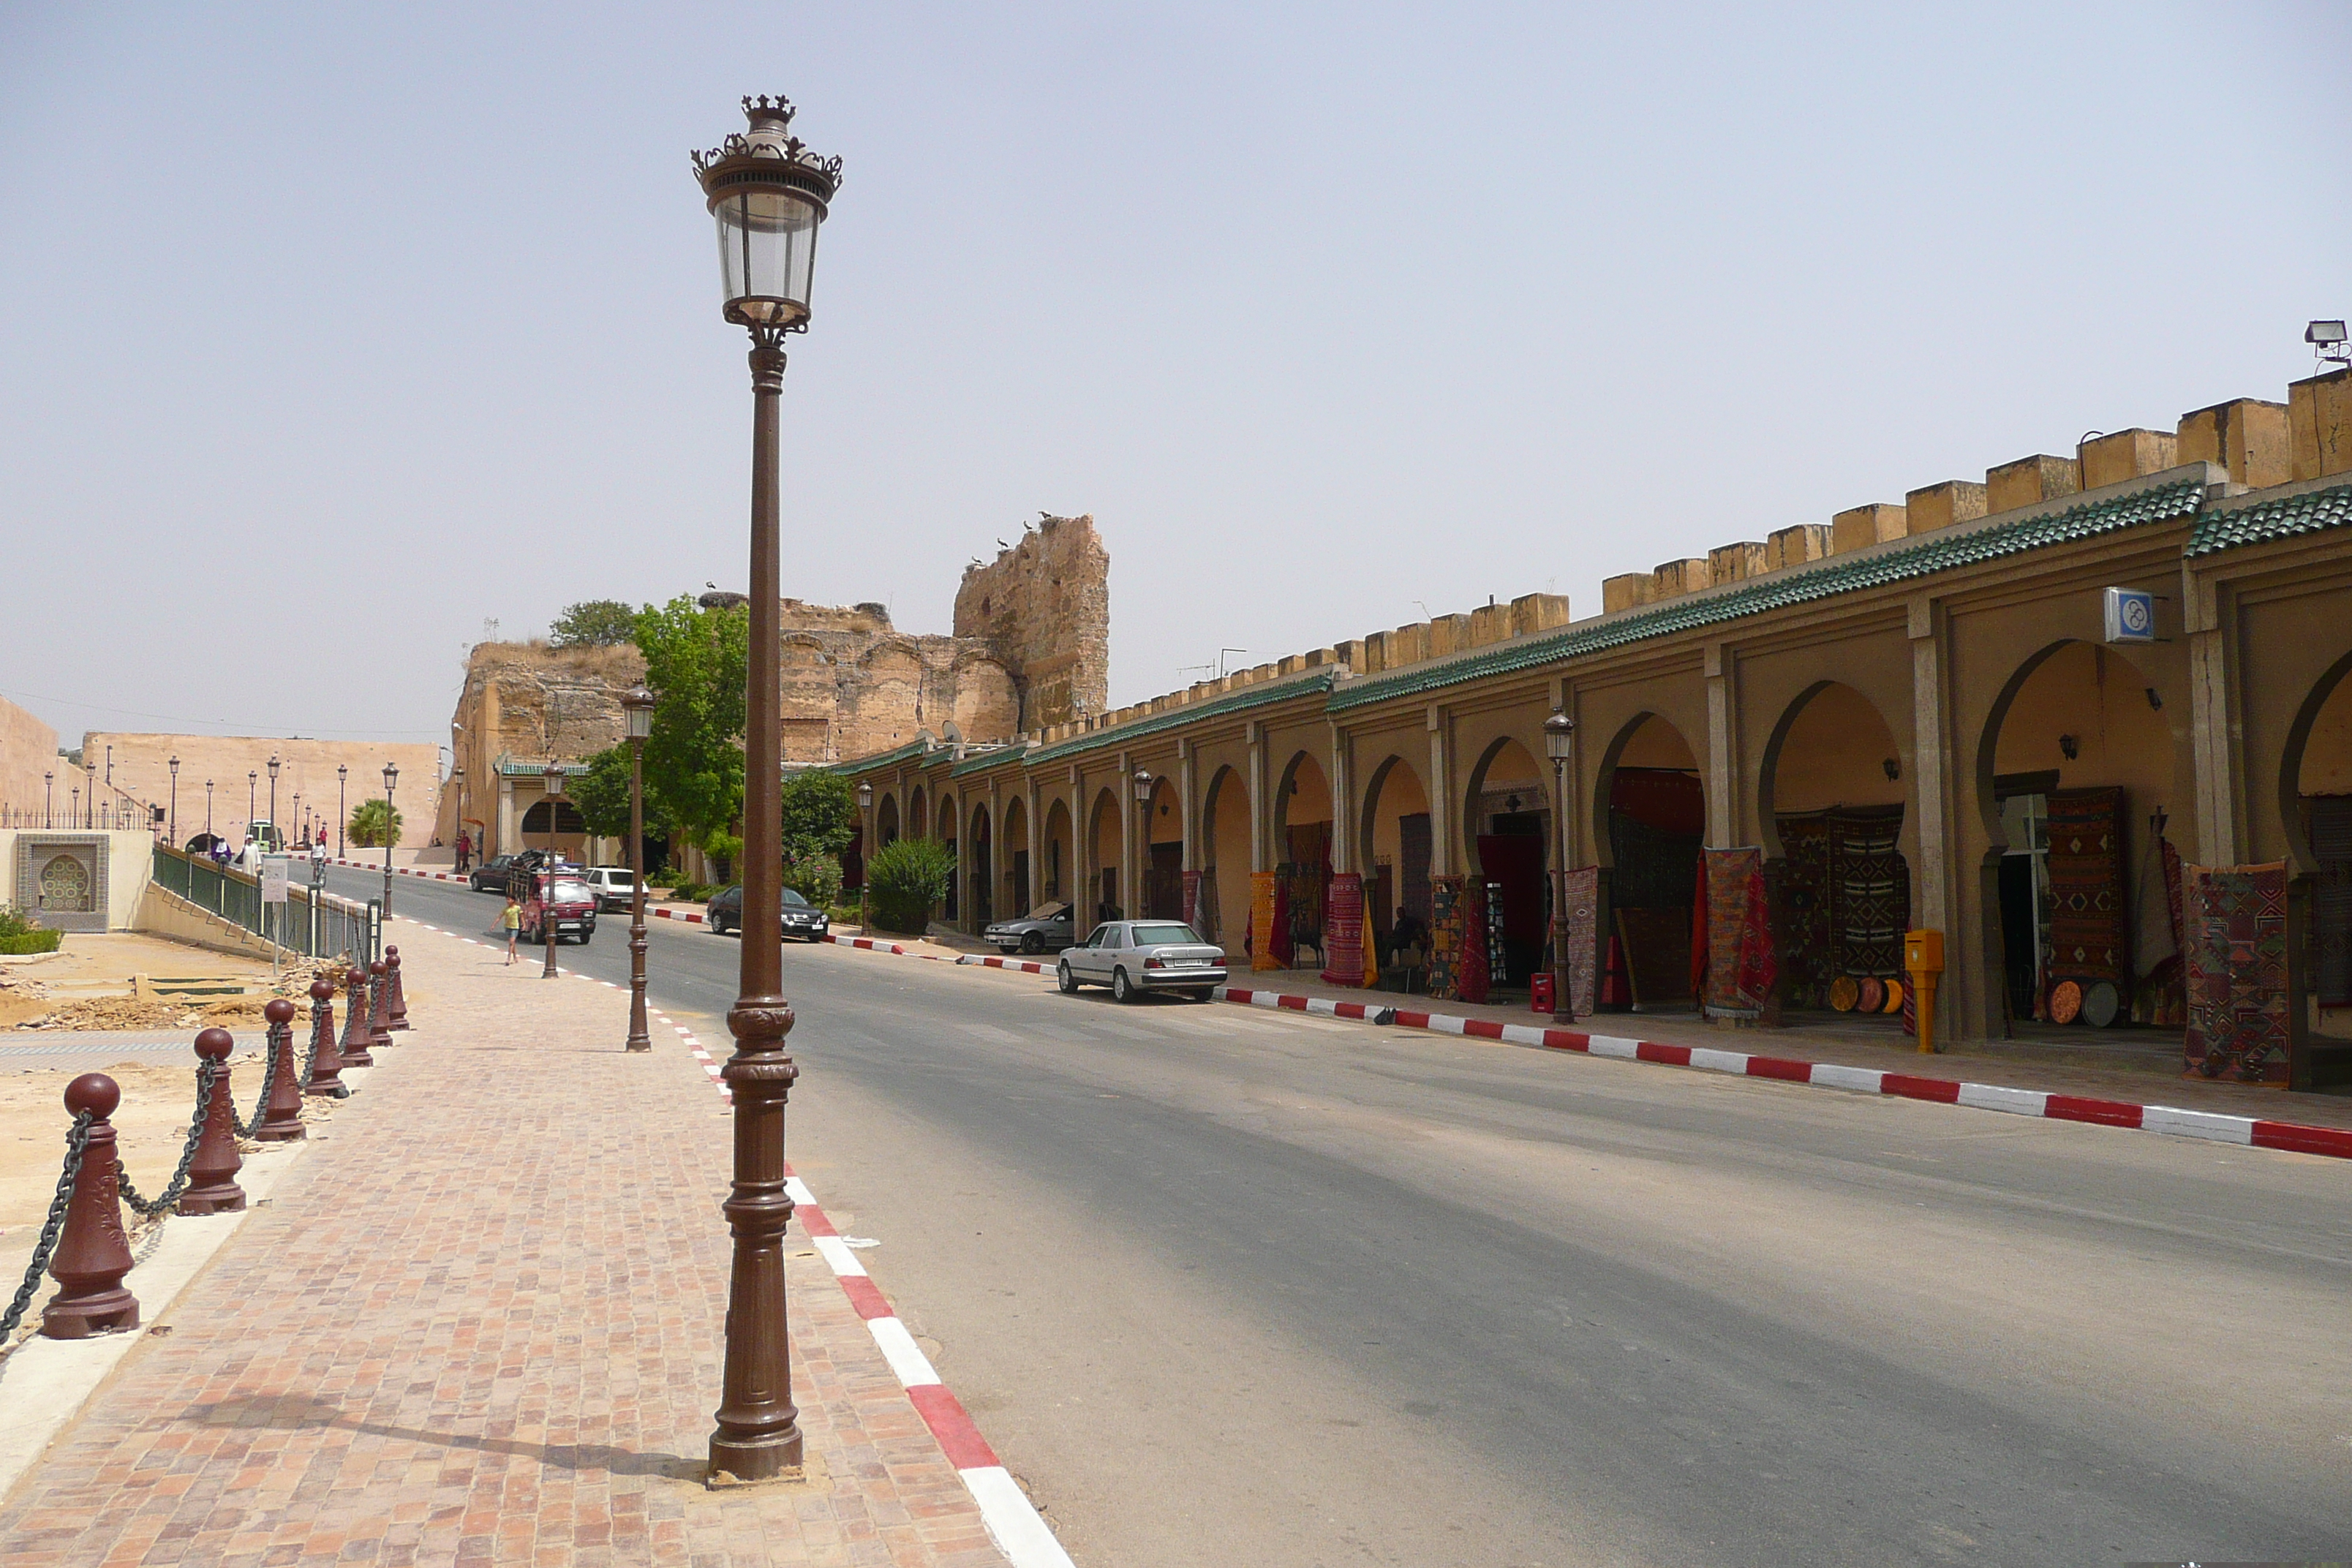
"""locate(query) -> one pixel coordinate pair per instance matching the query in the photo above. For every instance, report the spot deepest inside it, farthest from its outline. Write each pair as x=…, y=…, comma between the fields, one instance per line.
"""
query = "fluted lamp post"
x=274, y=829
x=1140, y=851
x=391, y=777
x=174, y=829
x=1560, y=743
x=252, y=801
x=551, y=787
x=769, y=194
x=864, y=851
x=638, y=713
x=343, y=774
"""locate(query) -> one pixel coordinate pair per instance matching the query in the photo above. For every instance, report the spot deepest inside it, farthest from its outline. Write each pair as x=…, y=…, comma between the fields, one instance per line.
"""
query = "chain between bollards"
x=148, y=1208
x=77, y=1142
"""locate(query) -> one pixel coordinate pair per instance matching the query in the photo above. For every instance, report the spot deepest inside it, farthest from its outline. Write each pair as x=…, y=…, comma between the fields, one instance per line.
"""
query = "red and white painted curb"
x=1020, y=1531
x=2257, y=1131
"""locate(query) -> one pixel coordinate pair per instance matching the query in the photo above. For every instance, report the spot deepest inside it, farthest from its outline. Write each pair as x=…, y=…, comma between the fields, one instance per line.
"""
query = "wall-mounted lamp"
x=2154, y=701
x=2068, y=748
x=1893, y=768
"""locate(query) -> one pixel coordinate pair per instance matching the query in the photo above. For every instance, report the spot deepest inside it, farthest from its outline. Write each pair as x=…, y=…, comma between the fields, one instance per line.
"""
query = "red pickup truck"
x=562, y=903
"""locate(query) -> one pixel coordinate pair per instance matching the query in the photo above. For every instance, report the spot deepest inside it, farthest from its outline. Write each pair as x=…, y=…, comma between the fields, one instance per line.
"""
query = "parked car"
x=496, y=875
x=801, y=919
x=615, y=886
x=1133, y=957
x=1049, y=925
x=560, y=904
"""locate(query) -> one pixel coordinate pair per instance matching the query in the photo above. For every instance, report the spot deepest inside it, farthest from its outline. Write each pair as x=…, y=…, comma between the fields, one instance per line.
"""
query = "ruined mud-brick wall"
x=531, y=702
x=1042, y=607
x=852, y=685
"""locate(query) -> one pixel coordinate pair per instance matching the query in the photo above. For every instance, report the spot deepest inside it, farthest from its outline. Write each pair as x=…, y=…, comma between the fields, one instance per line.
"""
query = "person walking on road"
x=465, y=852
x=510, y=920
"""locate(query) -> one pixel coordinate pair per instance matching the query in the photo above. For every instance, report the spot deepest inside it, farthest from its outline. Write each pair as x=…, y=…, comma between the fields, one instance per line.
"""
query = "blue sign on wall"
x=2131, y=616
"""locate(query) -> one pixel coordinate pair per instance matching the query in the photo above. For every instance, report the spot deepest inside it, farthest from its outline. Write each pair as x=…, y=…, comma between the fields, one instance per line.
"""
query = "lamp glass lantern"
x=768, y=194
x=637, y=712
x=865, y=795
x=1559, y=736
x=1143, y=786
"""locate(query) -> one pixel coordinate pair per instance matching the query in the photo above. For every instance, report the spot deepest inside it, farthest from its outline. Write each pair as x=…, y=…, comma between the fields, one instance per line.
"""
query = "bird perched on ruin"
x=1002, y=545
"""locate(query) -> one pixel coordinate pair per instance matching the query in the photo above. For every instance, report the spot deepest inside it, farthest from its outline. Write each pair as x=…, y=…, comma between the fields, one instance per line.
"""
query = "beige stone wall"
x=28, y=748
x=306, y=768
x=1042, y=607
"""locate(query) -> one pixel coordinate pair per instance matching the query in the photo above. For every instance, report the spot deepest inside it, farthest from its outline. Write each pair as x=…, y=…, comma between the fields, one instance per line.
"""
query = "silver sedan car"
x=1133, y=957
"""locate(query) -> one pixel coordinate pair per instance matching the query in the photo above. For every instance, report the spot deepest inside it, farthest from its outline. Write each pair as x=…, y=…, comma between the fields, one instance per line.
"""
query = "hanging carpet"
x=2089, y=935
x=1583, y=939
x=1807, y=962
x=1445, y=936
x=1343, y=930
x=1741, y=969
x=2236, y=944
x=1870, y=891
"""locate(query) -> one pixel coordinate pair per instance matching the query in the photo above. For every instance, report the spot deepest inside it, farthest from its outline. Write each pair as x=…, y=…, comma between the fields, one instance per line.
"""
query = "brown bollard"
x=211, y=1174
x=326, y=1067
x=379, y=1003
x=281, y=1112
x=354, y=1049
x=397, y=1017
x=93, y=1255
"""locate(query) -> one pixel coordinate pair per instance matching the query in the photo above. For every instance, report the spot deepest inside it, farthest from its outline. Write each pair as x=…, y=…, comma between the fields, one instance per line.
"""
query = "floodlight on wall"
x=2068, y=748
x=2327, y=343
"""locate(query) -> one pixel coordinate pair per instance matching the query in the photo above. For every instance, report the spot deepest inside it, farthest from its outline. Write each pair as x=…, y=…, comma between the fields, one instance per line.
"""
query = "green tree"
x=594, y=623
x=367, y=829
x=601, y=793
x=699, y=660
x=906, y=880
x=820, y=815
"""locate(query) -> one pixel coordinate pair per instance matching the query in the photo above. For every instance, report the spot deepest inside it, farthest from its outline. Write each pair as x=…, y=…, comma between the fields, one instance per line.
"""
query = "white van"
x=615, y=886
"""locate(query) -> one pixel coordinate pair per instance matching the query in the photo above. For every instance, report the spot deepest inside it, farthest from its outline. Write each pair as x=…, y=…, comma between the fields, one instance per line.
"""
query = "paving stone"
x=479, y=1323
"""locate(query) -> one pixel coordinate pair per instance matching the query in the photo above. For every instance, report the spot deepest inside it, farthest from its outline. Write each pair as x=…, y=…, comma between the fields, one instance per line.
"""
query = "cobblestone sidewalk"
x=480, y=1324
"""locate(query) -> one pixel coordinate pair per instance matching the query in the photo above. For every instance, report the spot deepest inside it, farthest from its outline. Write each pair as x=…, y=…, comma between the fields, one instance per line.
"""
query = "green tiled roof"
x=914, y=748
x=987, y=759
x=1922, y=557
x=2281, y=519
x=1256, y=696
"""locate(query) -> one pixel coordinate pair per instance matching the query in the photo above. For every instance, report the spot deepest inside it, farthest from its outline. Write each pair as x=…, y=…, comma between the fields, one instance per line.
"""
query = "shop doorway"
x=2079, y=777
x=1222, y=910
x=1163, y=870
x=917, y=825
x=983, y=867
x=1509, y=823
x=2315, y=790
x=1103, y=837
x=1652, y=811
x=1833, y=791
x=1302, y=838
x=1395, y=854
x=885, y=821
x=1057, y=853
x=1016, y=900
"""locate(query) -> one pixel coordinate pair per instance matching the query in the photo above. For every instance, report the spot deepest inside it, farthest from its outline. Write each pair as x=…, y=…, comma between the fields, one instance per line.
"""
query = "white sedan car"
x=1133, y=957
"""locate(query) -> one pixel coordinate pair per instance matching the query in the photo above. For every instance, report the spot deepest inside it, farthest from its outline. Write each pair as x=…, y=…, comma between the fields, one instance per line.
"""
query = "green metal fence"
x=314, y=925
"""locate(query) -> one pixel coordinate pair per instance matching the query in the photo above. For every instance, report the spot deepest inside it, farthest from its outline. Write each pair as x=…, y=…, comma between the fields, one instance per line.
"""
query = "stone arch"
x=1393, y=847
x=2315, y=793
x=980, y=861
x=1832, y=800
x=1059, y=847
x=1225, y=856
x=1302, y=805
x=1506, y=838
x=1648, y=810
x=917, y=814
x=1019, y=872
x=1106, y=854
x=2073, y=771
x=886, y=820
x=1163, y=848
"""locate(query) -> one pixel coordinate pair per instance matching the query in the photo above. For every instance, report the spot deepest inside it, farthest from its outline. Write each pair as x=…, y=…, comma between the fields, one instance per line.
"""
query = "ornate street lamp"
x=48, y=799
x=89, y=817
x=273, y=796
x=175, y=830
x=208, y=808
x=342, y=774
x=252, y=799
x=1136, y=851
x=637, y=714
x=769, y=194
x=391, y=777
x=865, y=849
x=551, y=787
x=1560, y=744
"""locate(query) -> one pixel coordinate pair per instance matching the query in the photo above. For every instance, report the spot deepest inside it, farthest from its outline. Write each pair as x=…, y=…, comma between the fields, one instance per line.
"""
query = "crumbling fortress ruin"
x=1031, y=647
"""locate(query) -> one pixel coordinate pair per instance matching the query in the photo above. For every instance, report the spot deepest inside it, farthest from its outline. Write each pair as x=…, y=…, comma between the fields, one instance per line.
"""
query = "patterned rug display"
x=2088, y=928
x=1742, y=975
x=1807, y=962
x=2236, y=946
x=1583, y=939
x=1473, y=977
x=1265, y=916
x=1870, y=891
x=1445, y=936
x=1343, y=930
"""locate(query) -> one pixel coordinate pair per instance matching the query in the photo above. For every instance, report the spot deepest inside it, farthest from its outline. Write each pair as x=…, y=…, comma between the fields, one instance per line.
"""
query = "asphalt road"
x=1222, y=1285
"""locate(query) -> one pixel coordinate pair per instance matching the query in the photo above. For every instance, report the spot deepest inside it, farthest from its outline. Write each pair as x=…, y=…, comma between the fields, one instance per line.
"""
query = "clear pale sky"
x=328, y=333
